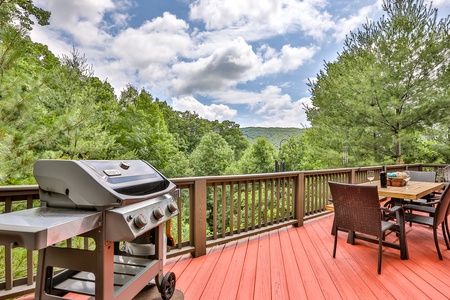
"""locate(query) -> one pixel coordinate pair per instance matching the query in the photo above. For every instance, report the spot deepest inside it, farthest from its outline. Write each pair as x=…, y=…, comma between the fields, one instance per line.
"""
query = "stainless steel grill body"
x=97, y=183
x=107, y=201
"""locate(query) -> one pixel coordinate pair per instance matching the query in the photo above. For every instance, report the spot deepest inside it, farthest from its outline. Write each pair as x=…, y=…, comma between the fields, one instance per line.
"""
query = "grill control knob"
x=140, y=221
x=158, y=213
x=172, y=207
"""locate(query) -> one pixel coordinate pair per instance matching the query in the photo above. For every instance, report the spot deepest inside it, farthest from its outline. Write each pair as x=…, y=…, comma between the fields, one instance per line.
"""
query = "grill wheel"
x=167, y=287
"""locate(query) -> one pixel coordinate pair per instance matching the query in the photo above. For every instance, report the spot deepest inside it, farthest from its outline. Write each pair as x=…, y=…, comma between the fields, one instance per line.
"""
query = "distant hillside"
x=275, y=135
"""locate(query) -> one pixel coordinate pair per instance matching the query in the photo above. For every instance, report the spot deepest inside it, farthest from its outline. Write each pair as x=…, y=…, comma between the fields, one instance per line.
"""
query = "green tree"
x=258, y=158
x=186, y=127
x=231, y=132
x=141, y=133
x=21, y=133
x=15, y=24
x=296, y=154
x=19, y=12
x=386, y=88
x=212, y=156
x=73, y=112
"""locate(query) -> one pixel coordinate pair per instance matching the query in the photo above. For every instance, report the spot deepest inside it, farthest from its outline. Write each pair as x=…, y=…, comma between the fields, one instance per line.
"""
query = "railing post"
x=198, y=217
x=353, y=176
x=299, y=199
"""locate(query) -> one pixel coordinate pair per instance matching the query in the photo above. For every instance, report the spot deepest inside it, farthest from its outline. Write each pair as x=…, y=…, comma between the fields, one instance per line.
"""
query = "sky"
x=247, y=61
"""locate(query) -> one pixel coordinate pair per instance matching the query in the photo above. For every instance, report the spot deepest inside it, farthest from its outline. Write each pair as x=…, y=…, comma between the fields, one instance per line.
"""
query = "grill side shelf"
x=38, y=228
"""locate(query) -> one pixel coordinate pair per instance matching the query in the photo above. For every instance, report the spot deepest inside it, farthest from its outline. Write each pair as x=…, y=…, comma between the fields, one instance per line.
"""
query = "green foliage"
x=19, y=12
x=297, y=154
x=212, y=156
x=66, y=111
x=259, y=158
x=387, y=87
x=275, y=135
x=188, y=129
x=233, y=135
x=141, y=133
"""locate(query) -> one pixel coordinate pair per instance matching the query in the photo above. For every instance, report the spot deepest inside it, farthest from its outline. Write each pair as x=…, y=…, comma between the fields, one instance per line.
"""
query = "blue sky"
x=247, y=61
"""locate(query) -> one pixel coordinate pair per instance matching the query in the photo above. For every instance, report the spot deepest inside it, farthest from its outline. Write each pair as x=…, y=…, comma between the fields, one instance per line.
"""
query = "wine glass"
x=370, y=176
x=407, y=179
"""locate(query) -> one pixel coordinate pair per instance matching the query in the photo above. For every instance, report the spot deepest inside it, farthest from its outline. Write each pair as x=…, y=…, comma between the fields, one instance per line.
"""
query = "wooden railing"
x=213, y=210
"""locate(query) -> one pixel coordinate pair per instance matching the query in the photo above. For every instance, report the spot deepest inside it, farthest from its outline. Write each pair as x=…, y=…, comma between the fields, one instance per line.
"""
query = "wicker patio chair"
x=446, y=175
x=436, y=218
x=425, y=177
x=357, y=210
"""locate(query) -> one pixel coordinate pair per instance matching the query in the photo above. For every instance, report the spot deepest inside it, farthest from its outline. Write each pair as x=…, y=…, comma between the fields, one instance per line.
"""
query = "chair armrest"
x=391, y=210
x=399, y=213
x=431, y=203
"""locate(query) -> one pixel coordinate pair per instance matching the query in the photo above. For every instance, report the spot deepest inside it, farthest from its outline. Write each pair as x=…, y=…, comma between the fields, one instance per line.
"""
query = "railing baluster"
x=253, y=204
x=246, y=207
x=266, y=201
x=260, y=203
x=231, y=208
x=272, y=201
x=224, y=210
x=8, y=267
x=282, y=199
x=214, y=211
x=239, y=208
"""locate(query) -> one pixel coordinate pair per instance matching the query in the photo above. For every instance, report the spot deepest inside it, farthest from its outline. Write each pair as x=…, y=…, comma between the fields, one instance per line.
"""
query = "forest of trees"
x=385, y=99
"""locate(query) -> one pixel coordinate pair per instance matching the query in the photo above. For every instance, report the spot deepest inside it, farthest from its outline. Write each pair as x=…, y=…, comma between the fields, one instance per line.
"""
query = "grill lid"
x=97, y=183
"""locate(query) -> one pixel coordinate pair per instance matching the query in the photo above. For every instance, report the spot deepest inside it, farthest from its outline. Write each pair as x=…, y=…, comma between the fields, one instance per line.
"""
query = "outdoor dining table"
x=414, y=190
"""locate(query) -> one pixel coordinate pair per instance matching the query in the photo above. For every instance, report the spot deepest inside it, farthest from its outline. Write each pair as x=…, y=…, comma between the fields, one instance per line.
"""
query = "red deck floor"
x=297, y=263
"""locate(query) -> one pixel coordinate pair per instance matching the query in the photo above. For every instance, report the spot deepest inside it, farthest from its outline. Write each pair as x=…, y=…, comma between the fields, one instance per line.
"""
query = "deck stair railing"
x=213, y=210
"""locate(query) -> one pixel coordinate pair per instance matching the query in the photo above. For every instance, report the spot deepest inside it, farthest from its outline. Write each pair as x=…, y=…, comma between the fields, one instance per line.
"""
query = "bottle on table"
x=383, y=177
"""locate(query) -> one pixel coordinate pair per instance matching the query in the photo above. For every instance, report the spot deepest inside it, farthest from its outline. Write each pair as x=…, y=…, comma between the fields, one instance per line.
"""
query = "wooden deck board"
x=295, y=291
x=342, y=271
x=326, y=283
x=367, y=276
x=232, y=279
x=311, y=285
x=247, y=283
x=221, y=269
x=297, y=263
x=200, y=281
x=263, y=269
x=277, y=269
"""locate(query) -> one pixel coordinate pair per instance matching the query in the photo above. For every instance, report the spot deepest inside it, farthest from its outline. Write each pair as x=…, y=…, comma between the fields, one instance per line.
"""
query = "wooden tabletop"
x=414, y=189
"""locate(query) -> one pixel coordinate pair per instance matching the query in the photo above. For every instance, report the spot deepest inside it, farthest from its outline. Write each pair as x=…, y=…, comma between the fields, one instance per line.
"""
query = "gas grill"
x=118, y=205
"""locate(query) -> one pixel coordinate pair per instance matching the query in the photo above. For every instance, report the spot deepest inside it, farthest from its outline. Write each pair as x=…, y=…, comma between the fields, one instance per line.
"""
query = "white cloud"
x=82, y=19
x=269, y=107
x=234, y=63
x=211, y=112
x=158, y=41
x=290, y=58
x=351, y=23
x=440, y=3
x=256, y=19
x=222, y=68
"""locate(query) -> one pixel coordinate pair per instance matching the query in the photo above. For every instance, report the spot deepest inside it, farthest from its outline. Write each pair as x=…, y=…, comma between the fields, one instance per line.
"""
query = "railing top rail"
x=284, y=174
x=191, y=180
